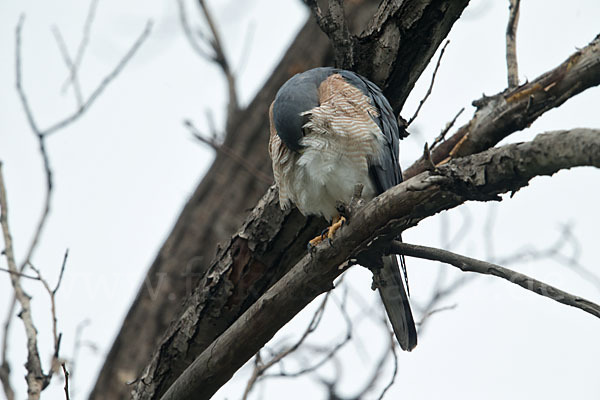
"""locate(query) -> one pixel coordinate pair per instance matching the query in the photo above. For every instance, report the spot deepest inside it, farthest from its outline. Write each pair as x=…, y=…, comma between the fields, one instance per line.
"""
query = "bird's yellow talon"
x=328, y=233
x=338, y=222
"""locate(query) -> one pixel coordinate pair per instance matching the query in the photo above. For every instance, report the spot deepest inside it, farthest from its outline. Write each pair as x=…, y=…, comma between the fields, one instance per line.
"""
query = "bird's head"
x=299, y=94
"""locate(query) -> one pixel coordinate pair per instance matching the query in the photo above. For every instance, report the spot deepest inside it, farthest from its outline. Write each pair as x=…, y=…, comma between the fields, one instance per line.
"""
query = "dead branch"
x=5, y=366
x=223, y=148
x=334, y=24
x=89, y=101
x=62, y=47
x=512, y=68
x=260, y=367
x=478, y=177
x=442, y=136
x=66, y=373
x=424, y=99
x=52, y=294
x=329, y=352
x=468, y=264
x=85, y=38
x=500, y=115
x=216, y=54
x=36, y=379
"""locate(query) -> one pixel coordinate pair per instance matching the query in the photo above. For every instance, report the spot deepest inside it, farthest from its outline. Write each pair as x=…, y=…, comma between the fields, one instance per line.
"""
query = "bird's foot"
x=337, y=224
x=327, y=233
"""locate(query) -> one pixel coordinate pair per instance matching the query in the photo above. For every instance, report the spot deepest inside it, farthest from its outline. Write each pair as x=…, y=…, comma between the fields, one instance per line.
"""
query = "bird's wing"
x=386, y=172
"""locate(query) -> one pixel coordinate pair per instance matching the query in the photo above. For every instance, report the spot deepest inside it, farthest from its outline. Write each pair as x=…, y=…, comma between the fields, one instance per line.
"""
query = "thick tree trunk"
x=215, y=210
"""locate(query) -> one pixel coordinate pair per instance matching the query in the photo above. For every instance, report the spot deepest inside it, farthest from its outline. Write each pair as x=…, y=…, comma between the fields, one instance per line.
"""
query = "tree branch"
x=334, y=25
x=469, y=264
x=512, y=68
x=218, y=54
x=424, y=99
x=500, y=115
x=479, y=177
x=36, y=379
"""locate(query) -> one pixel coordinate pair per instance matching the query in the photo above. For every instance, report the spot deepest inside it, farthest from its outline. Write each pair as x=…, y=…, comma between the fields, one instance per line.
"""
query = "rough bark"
x=246, y=267
x=480, y=177
x=259, y=264
x=212, y=214
x=500, y=115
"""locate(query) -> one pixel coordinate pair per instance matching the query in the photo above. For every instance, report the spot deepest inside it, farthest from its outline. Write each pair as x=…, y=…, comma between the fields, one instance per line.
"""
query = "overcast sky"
x=125, y=169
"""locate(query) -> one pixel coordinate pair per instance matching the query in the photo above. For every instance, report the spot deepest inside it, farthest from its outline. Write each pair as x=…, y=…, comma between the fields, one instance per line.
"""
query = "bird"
x=331, y=129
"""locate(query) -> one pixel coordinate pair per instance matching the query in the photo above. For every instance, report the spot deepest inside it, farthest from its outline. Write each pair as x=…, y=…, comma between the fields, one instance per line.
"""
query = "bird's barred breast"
x=341, y=141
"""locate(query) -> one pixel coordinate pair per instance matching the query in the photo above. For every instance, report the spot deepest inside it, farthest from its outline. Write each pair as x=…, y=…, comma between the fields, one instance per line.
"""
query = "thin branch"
x=429, y=90
x=85, y=38
x=217, y=56
x=62, y=47
x=512, y=67
x=93, y=96
x=20, y=274
x=468, y=264
x=330, y=352
x=189, y=34
x=103, y=84
x=395, y=371
x=334, y=25
x=222, y=148
x=442, y=136
x=260, y=367
x=36, y=379
x=5, y=366
x=52, y=295
x=64, y=368
x=504, y=113
x=435, y=311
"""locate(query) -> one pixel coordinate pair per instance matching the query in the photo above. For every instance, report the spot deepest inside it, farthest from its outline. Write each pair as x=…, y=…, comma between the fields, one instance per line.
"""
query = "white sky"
x=123, y=172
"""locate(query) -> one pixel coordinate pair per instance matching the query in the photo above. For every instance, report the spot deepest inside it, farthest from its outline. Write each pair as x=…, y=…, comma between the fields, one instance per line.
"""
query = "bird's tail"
x=391, y=288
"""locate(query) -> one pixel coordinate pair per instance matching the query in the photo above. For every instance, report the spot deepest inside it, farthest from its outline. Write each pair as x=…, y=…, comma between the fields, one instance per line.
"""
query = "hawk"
x=330, y=130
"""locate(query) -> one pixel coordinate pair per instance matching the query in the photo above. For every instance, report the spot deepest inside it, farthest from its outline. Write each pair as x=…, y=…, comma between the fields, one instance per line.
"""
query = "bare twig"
x=62, y=47
x=260, y=367
x=222, y=148
x=52, y=295
x=5, y=366
x=511, y=44
x=468, y=264
x=395, y=371
x=216, y=54
x=507, y=112
x=335, y=26
x=78, y=344
x=64, y=368
x=36, y=379
x=85, y=38
x=435, y=311
x=92, y=97
x=444, y=132
x=330, y=352
x=429, y=90
x=20, y=274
